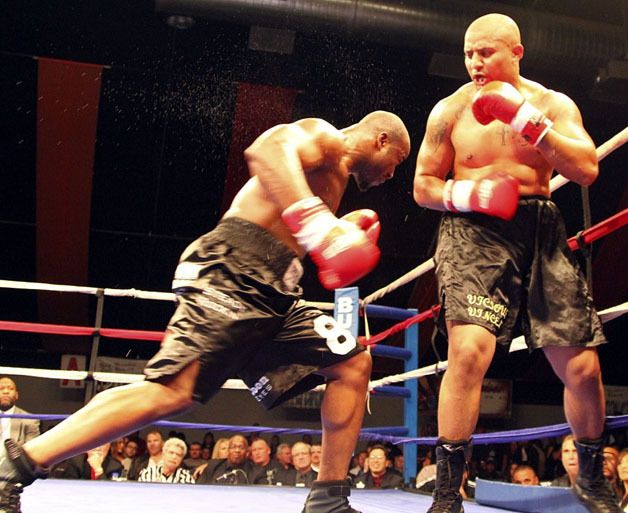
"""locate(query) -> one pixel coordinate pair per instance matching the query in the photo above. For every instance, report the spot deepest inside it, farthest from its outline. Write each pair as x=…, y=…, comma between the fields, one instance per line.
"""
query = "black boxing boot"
x=591, y=487
x=16, y=471
x=329, y=497
x=451, y=462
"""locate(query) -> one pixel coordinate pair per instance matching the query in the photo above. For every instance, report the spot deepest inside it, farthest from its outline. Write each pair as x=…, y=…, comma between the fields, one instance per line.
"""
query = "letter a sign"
x=73, y=362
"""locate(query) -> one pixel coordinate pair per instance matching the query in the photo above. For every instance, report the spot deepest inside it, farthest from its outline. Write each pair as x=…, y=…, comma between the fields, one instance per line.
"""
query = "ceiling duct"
x=564, y=44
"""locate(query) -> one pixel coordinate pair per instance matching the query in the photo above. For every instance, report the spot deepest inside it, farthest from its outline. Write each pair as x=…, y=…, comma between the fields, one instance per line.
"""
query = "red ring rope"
x=595, y=232
x=587, y=237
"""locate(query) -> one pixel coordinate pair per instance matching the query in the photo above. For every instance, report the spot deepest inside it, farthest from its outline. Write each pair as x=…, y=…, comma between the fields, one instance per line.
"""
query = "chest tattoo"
x=503, y=133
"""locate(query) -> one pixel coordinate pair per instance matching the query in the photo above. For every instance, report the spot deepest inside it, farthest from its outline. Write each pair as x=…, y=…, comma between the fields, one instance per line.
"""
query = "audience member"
x=130, y=452
x=488, y=469
x=195, y=458
x=94, y=464
x=302, y=473
x=234, y=469
x=360, y=460
x=316, y=452
x=221, y=449
x=553, y=466
x=525, y=475
x=569, y=459
x=116, y=451
x=206, y=453
x=622, y=470
x=20, y=430
x=170, y=469
x=209, y=441
x=511, y=472
x=284, y=456
x=609, y=469
x=154, y=448
x=274, y=443
x=130, y=448
x=398, y=463
x=177, y=434
x=271, y=470
x=380, y=473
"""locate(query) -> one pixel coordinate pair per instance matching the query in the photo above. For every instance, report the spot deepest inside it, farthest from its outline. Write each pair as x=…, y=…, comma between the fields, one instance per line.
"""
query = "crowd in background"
x=251, y=459
x=255, y=460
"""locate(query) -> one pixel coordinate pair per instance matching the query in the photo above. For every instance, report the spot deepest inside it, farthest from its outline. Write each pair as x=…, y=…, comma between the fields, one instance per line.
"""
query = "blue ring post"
x=411, y=403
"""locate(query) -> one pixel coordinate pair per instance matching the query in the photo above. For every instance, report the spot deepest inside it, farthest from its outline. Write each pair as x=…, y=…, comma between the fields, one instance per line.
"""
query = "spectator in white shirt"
x=170, y=469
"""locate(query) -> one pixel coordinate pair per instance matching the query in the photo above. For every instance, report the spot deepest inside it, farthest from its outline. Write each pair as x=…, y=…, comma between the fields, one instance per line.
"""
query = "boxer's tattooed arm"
x=459, y=111
x=436, y=134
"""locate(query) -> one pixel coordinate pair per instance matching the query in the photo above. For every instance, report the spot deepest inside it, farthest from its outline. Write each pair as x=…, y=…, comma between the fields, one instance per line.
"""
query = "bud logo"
x=344, y=312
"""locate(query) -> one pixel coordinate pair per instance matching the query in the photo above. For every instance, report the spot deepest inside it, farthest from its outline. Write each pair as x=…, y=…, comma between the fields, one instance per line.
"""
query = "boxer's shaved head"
x=496, y=26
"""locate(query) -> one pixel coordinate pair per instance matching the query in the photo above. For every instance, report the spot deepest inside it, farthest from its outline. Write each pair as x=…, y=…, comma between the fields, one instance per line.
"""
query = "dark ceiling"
x=165, y=126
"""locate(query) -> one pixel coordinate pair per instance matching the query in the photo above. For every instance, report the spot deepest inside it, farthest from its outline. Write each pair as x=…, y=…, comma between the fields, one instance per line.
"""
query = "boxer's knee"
x=471, y=350
x=584, y=371
x=576, y=367
x=356, y=370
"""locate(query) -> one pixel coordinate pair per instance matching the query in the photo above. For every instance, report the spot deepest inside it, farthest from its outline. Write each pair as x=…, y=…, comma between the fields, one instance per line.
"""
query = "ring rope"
x=558, y=181
x=418, y=318
x=236, y=384
x=387, y=433
x=576, y=242
x=587, y=236
x=518, y=344
x=50, y=287
x=599, y=230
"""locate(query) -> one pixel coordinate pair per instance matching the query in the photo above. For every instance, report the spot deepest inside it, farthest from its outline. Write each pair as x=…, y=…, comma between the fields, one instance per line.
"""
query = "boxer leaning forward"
x=237, y=313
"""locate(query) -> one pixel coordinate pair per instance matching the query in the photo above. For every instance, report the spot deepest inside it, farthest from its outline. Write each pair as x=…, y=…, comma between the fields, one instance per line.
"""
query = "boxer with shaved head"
x=502, y=261
x=238, y=310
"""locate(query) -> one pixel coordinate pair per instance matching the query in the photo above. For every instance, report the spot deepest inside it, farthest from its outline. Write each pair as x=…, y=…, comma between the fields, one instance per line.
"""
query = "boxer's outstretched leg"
x=109, y=415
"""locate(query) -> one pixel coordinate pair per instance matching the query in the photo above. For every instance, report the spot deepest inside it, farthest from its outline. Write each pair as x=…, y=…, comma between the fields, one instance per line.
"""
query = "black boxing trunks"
x=515, y=277
x=238, y=315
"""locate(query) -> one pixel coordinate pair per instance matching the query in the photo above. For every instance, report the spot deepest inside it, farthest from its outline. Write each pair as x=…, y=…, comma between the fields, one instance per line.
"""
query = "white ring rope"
x=558, y=181
x=518, y=344
x=134, y=293
x=555, y=183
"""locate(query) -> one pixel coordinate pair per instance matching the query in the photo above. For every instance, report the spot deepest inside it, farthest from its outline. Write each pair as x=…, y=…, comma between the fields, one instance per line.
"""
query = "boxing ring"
x=130, y=497
x=97, y=496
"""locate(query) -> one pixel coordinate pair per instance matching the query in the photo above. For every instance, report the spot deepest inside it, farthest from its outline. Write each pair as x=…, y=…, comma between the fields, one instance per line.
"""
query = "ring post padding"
x=391, y=352
x=411, y=403
x=347, y=309
x=388, y=312
x=391, y=391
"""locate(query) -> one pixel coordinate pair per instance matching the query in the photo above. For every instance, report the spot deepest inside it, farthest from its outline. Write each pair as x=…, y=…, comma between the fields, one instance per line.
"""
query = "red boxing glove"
x=495, y=195
x=340, y=248
x=367, y=220
x=500, y=100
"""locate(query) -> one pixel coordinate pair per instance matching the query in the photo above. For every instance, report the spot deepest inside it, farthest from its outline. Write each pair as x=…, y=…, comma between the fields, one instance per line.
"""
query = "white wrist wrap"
x=314, y=224
x=461, y=195
x=531, y=123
